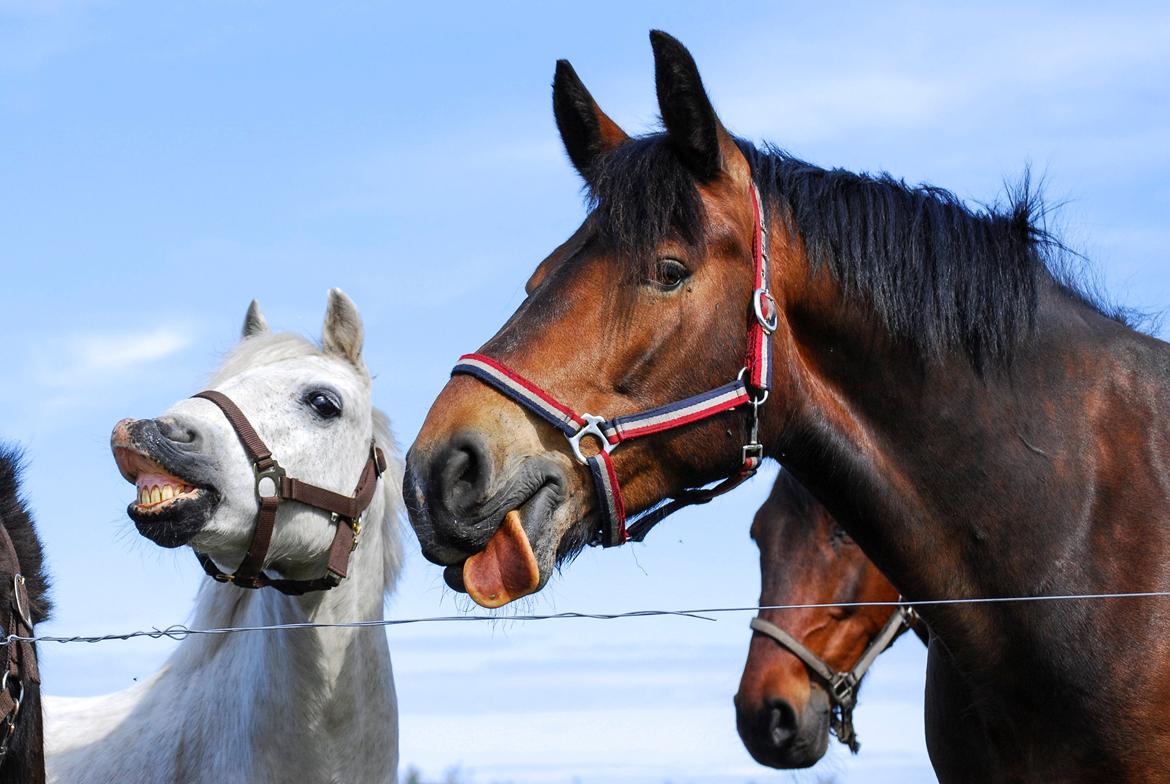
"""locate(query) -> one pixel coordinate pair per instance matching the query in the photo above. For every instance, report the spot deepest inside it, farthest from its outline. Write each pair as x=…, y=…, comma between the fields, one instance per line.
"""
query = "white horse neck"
x=315, y=705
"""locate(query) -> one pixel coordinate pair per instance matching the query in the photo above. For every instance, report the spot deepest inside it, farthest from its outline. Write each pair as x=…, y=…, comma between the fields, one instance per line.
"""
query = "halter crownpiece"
x=273, y=486
x=749, y=388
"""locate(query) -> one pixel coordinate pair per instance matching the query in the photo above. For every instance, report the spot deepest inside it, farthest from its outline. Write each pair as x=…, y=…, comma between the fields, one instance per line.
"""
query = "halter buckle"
x=765, y=309
x=841, y=687
x=268, y=480
x=592, y=427
x=753, y=451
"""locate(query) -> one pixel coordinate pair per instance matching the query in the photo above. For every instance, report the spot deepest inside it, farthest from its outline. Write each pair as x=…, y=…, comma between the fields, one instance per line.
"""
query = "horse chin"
x=521, y=555
x=176, y=522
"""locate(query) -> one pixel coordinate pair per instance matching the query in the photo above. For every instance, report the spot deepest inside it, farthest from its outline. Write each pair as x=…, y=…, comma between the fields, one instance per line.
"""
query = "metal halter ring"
x=769, y=322
x=591, y=427
x=756, y=402
x=268, y=481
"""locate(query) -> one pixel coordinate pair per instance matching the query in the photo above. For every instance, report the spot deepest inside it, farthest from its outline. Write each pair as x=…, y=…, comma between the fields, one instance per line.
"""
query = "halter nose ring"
x=592, y=427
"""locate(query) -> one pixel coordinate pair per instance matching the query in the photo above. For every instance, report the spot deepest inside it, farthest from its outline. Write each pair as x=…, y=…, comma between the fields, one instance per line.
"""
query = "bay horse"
x=805, y=666
x=24, y=599
x=313, y=705
x=978, y=426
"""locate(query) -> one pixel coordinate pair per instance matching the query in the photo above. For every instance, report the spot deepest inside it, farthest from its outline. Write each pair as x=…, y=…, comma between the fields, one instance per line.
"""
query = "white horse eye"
x=324, y=404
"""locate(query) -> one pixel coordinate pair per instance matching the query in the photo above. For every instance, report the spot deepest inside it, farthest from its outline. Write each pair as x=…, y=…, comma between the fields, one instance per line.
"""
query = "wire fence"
x=181, y=632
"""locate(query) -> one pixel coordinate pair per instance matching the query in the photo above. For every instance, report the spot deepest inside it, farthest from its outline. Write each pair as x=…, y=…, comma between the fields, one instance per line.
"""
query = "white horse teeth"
x=153, y=495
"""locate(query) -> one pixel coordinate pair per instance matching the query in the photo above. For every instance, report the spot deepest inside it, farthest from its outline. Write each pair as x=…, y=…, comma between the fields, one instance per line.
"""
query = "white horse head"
x=312, y=407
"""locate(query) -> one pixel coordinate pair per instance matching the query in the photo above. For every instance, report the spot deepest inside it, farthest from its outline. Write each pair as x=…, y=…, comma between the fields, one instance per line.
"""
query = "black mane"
x=940, y=275
x=17, y=519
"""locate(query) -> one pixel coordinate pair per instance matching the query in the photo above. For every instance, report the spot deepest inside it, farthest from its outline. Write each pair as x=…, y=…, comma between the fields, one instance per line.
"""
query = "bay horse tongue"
x=505, y=569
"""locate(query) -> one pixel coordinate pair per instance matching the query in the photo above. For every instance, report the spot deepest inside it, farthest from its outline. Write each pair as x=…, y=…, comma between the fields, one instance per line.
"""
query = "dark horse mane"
x=18, y=520
x=940, y=275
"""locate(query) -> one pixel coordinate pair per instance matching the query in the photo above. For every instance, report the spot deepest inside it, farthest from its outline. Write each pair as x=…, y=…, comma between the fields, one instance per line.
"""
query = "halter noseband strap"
x=750, y=388
x=273, y=486
x=842, y=685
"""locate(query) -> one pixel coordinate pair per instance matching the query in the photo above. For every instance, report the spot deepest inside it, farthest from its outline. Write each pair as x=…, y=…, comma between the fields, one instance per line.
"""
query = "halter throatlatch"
x=750, y=388
x=274, y=486
x=842, y=685
x=19, y=656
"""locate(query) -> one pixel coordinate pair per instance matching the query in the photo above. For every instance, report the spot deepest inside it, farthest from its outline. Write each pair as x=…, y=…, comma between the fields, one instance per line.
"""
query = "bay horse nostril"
x=781, y=719
x=463, y=472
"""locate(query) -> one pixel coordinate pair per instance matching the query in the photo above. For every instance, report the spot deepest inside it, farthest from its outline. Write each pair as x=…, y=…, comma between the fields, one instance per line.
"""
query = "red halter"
x=750, y=388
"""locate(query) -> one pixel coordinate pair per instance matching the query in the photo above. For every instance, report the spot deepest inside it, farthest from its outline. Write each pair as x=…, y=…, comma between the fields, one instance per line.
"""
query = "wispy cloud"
x=80, y=361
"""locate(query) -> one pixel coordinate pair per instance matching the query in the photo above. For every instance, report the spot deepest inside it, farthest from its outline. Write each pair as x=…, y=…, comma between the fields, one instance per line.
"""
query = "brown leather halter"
x=19, y=657
x=273, y=486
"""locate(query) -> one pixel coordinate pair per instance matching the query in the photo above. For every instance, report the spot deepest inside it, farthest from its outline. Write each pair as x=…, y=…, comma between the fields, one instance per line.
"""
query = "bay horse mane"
x=942, y=276
x=16, y=517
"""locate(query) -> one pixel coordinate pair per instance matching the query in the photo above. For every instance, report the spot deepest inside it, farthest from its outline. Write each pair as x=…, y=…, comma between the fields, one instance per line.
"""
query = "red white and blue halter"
x=750, y=388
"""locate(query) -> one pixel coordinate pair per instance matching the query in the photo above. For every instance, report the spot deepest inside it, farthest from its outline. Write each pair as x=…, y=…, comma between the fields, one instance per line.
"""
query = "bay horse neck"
x=960, y=482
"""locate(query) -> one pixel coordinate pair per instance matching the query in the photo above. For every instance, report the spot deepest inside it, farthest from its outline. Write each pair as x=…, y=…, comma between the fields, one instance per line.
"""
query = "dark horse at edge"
x=979, y=427
x=24, y=760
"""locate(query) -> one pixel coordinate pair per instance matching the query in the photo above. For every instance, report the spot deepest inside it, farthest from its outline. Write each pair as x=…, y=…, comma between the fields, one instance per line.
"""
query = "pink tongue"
x=505, y=570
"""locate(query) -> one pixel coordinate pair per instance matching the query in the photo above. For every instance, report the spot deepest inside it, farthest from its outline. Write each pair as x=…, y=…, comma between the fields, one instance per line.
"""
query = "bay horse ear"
x=343, y=333
x=694, y=131
x=254, y=321
x=586, y=130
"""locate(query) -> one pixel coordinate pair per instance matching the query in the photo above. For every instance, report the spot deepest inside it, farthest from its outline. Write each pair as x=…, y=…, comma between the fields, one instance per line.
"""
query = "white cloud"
x=80, y=361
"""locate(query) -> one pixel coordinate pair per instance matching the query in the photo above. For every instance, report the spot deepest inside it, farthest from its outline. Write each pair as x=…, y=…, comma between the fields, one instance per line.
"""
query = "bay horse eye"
x=325, y=404
x=669, y=274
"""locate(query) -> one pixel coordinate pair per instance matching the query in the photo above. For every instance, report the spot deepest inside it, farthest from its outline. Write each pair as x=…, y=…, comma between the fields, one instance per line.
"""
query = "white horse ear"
x=254, y=321
x=343, y=333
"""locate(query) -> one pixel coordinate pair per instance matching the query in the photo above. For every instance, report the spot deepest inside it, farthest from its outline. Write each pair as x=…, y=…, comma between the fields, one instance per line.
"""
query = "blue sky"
x=160, y=166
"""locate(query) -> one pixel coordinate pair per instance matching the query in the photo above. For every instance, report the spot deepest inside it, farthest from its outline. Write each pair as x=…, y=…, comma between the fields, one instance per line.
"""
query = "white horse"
x=290, y=706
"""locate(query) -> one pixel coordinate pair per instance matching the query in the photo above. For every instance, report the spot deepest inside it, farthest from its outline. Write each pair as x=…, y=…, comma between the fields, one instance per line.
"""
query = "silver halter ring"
x=592, y=427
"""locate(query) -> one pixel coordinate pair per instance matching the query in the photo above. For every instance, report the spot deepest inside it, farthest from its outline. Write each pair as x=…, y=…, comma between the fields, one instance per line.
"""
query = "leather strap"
x=19, y=658
x=273, y=487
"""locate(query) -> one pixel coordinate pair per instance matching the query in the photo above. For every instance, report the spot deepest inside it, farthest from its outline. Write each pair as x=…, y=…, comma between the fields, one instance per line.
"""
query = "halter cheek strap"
x=750, y=388
x=274, y=486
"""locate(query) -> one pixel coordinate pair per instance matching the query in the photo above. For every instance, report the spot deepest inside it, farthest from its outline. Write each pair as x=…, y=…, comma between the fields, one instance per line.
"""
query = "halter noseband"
x=750, y=388
x=19, y=656
x=842, y=685
x=273, y=486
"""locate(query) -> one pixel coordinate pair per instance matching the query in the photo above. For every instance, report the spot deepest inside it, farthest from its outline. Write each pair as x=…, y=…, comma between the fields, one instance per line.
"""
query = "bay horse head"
x=651, y=300
x=804, y=666
x=198, y=477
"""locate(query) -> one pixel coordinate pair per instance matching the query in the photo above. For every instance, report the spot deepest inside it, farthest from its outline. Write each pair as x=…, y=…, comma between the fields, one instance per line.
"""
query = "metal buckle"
x=753, y=450
x=268, y=480
x=841, y=688
x=591, y=427
x=769, y=324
